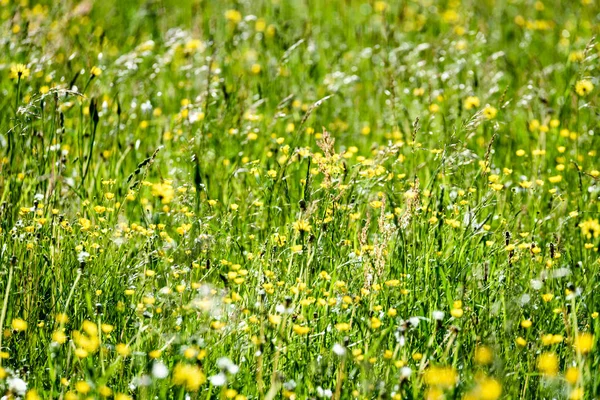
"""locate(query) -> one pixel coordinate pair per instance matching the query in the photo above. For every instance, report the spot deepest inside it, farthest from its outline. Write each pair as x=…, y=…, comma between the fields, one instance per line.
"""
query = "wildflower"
x=82, y=387
x=584, y=87
x=342, y=327
x=483, y=355
x=526, y=323
x=375, y=323
x=189, y=376
x=471, y=102
x=487, y=389
x=159, y=370
x=380, y=6
x=218, y=380
x=301, y=330
x=444, y=377
x=59, y=337
x=339, y=350
x=576, y=394
x=547, y=364
x=547, y=297
x=521, y=342
x=19, y=325
x=572, y=375
x=164, y=191
x=584, y=342
x=19, y=71
x=590, y=228
x=302, y=225
x=123, y=349
x=95, y=71
x=32, y=395
x=490, y=112
x=233, y=16
x=17, y=386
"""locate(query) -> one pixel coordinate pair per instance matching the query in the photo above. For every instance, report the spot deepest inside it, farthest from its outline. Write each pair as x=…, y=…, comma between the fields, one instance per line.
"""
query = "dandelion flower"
x=490, y=112
x=19, y=71
x=584, y=87
x=547, y=364
x=19, y=324
x=471, y=102
x=584, y=342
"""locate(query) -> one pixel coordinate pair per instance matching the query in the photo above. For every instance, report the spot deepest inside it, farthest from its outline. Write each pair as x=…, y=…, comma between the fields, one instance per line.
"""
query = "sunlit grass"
x=292, y=199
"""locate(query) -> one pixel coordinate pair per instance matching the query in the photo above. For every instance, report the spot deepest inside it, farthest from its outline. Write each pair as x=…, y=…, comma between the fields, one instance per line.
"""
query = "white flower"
x=82, y=256
x=405, y=372
x=438, y=315
x=17, y=386
x=218, y=380
x=159, y=370
x=536, y=284
x=339, y=349
x=225, y=364
x=146, y=106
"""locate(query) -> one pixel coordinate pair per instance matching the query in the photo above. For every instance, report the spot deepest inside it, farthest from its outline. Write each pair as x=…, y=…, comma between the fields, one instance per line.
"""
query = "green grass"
x=306, y=198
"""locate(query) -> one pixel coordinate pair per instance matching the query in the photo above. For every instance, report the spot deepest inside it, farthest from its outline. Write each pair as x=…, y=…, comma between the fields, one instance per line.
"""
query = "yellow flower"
x=85, y=223
x=456, y=312
x=59, y=337
x=584, y=87
x=18, y=71
x=342, y=327
x=95, y=71
x=233, y=16
x=576, y=394
x=123, y=349
x=490, y=112
x=590, y=228
x=302, y=225
x=471, y=102
x=19, y=325
x=190, y=376
x=301, y=330
x=255, y=69
x=445, y=377
x=572, y=375
x=547, y=364
x=375, y=323
x=584, y=342
x=380, y=6
x=488, y=389
x=483, y=355
x=32, y=395
x=547, y=297
x=164, y=191
x=82, y=387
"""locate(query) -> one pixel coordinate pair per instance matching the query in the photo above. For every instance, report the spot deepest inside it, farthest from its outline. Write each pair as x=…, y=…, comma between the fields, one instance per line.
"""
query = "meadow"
x=299, y=199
